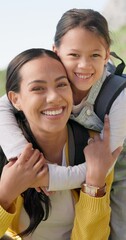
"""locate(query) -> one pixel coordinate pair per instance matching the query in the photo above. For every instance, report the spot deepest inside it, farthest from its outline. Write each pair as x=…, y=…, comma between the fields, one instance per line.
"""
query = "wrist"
x=94, y=191
x=5, y=201
x=95, y=180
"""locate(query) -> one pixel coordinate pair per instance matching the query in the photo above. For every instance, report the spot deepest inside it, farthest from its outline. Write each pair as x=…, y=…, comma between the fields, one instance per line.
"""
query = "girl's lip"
x=84, y=76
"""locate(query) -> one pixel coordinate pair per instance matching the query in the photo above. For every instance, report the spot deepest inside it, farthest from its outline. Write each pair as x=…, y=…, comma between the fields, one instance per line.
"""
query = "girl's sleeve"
x=12, y=139
x=117, y=117
x=63, y=178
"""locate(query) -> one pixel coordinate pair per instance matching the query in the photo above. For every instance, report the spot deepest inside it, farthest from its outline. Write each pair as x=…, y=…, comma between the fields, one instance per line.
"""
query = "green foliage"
x=118, y=46
x=2, y=82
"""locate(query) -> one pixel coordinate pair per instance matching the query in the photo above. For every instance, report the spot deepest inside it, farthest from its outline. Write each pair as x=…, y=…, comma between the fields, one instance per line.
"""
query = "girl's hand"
x=21, y=174
x=99, y=158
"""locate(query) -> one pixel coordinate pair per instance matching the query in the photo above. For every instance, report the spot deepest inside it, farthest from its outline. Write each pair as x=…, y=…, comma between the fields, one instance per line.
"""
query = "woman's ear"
x=14, y=99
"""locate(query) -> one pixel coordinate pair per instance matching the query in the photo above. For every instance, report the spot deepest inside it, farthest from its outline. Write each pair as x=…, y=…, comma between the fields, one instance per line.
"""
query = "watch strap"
x=93, y=190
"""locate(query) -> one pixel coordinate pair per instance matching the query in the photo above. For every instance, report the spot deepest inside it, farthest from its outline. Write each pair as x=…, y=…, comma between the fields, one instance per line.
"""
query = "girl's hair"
x=84, y=18
x=36, y=204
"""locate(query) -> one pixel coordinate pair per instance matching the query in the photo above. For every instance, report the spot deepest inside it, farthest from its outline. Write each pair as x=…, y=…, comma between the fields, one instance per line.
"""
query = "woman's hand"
x=27, y=171
x=99, y=158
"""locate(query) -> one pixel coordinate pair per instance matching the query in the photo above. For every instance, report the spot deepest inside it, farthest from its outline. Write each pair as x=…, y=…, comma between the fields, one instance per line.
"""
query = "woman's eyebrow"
x=44, y=81
x=60, y=78
x=37, y=81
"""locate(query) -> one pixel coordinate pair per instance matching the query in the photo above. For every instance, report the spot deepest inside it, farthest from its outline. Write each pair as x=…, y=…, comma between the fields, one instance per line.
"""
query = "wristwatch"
x=93, y=190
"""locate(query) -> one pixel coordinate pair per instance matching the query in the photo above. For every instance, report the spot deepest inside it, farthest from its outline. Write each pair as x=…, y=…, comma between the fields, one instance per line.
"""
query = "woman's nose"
x=53, y=96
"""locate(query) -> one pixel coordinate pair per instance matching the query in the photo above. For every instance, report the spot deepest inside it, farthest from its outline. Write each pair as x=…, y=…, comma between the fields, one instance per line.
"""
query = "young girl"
x=82, y=42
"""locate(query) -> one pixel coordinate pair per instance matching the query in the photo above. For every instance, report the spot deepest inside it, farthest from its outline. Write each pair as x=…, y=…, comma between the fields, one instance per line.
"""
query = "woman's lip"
x=53, y=112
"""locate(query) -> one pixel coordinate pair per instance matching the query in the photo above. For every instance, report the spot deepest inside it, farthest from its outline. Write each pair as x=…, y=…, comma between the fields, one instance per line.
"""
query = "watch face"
x=94, y=191
x=90, y=190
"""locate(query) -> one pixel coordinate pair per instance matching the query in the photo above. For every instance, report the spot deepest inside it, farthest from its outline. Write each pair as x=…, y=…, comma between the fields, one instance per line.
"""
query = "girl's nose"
x=84, y=62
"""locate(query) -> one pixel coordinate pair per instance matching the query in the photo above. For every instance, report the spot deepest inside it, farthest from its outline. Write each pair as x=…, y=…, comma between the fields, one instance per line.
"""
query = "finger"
x=116, y=152
x=106, y=130
x=34, y=158
x=90, y=140
x=48, y=193
x=38, y=189
x=26, y=154
x=97, y=137
x=43, y=171
x=39, y=163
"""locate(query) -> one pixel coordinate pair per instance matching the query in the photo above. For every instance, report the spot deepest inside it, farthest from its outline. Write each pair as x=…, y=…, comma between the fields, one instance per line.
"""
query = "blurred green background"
x=119, y=46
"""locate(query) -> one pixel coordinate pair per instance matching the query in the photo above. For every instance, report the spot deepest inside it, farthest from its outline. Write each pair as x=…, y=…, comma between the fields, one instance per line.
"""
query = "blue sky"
x=31, y=23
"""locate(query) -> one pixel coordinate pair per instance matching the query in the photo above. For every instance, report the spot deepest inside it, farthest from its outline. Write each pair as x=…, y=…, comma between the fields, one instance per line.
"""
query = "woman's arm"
x=92, y=216
x=12, y=140
x=93, y=213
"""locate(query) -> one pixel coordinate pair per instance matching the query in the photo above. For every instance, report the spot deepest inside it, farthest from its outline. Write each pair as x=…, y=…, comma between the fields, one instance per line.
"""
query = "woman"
x=38, y=88
x=82, y=42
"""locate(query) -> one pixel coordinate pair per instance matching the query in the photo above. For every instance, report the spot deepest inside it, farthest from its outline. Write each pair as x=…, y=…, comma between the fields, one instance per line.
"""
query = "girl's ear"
x=54, y=49
x=107, y=56
x=14, y=99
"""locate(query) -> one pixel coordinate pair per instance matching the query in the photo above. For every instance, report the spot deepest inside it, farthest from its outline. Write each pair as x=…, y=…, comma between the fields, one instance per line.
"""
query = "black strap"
x=110, y=90
x=77, y=140
x=3, y=160
x=120, y=68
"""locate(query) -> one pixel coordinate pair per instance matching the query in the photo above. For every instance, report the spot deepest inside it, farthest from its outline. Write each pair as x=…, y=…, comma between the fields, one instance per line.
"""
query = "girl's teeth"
x=83, y=77
x=53, y=113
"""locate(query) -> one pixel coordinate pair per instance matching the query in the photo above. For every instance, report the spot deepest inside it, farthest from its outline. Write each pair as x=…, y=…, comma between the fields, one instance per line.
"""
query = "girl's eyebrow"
x=43, y=81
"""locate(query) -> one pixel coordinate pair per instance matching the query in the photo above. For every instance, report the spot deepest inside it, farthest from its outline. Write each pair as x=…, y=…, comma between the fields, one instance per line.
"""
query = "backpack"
x=111, y=88
x=78, y=137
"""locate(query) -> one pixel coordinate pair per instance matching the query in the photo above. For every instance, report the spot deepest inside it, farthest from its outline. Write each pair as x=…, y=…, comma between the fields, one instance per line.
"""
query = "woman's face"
x=84, y=55
x=45, y=96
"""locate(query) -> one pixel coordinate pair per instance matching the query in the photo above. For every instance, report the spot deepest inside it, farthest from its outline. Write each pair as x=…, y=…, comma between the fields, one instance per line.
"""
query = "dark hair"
x=36, y=204
x=84, y=18
x=13, y=77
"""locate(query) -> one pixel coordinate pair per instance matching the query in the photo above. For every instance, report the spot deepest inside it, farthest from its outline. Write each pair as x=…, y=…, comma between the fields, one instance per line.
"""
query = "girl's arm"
x=117, y=117
x=12, y=140
x=64, y=178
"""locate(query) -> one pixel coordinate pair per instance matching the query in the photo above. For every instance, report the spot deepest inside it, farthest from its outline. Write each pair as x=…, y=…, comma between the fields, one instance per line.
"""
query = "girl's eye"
x=95, y=55
x=74, y=54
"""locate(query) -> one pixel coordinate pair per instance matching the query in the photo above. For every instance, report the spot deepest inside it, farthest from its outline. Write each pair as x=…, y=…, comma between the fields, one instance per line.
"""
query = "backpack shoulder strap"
x=121, y=66
x=3, y=160
x=77, y=140
x=111, y=88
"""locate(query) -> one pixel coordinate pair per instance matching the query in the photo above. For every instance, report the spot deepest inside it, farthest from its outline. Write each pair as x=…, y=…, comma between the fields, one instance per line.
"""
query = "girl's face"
x=45, y=96
x=84, y=55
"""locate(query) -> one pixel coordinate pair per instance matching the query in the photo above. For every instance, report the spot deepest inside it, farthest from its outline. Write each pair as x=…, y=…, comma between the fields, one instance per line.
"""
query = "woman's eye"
x=62, y=84
x=38, y=89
